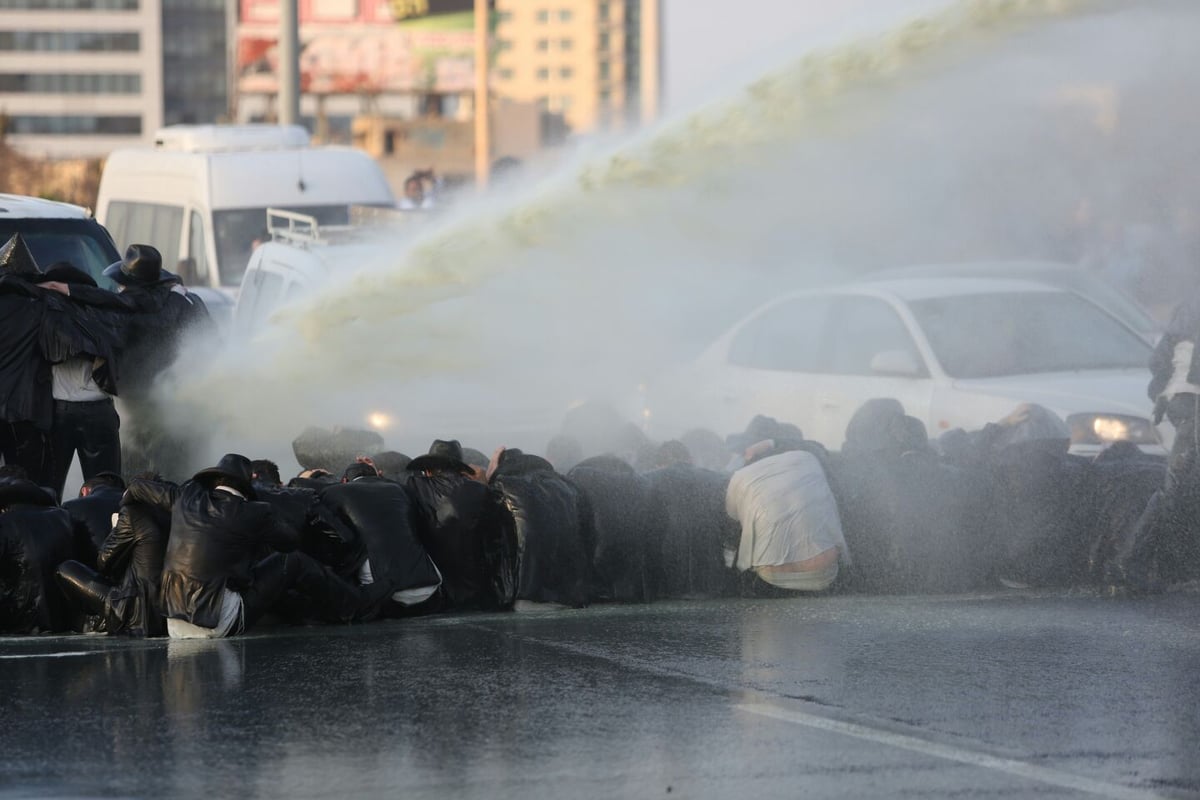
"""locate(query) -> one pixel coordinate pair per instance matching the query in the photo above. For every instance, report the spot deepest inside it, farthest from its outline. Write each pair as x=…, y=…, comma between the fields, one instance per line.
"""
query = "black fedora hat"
x=142, y=266
x=444, y=455
x=66, y=272
x=235, y=470
x=15, y=259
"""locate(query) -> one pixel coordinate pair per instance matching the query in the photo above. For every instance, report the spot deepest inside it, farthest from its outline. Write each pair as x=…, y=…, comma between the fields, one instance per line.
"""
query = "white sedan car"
x=957, y=352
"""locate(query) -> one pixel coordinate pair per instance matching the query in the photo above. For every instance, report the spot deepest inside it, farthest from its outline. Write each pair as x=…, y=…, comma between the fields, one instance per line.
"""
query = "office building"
x=597, y=62
x=79, y=78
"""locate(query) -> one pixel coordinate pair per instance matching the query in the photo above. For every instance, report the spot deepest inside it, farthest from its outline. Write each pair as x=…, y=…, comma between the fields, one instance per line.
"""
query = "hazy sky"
x=714, y=45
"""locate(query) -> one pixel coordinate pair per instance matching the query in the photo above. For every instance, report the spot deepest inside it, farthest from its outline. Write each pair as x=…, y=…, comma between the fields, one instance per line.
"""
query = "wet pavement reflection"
x=1097, y=693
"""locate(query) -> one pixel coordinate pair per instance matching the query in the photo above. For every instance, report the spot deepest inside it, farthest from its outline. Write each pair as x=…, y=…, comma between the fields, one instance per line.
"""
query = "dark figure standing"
x=25, y=401
x=85, y=417
x=1164, y=546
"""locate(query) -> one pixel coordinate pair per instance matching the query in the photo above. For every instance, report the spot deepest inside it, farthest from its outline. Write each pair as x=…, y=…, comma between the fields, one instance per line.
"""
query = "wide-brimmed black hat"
x=443, y=455
x=235, y=470
x=66, y=272
x=142, y=266
x=15, y=259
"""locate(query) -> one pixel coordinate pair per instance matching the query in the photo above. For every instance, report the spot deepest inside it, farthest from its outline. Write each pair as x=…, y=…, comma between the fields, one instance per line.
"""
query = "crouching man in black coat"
x=35, y=536
x=394, y=570
x=122, y=593
x=213, y=584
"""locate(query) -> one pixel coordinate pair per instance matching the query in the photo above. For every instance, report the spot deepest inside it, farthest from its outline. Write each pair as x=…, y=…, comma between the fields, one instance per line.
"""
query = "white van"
x=301, y=254
x=200, y=195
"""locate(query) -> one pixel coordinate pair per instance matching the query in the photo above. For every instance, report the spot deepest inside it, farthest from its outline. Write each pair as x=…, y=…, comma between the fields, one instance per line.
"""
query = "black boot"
x=84, y=588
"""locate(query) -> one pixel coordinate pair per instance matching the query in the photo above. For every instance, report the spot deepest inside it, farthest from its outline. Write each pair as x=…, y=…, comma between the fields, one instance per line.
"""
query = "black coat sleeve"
x=159, y=494
x=11, y=284
x=102, y=298
x=274, y=533
x=117, y=548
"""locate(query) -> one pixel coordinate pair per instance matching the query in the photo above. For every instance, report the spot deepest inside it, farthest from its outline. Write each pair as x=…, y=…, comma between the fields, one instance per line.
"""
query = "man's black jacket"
x=215, y=540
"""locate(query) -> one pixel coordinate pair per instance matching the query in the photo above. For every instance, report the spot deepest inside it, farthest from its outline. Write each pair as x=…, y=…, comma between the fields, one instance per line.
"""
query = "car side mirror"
x=900, y=363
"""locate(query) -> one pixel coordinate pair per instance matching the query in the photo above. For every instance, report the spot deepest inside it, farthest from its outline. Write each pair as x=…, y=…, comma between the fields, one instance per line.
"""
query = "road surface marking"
x=1022, y=769
x=63, y=654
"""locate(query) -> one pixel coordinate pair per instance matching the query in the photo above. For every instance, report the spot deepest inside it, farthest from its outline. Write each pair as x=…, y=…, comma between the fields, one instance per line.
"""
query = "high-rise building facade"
x=79, y=78
x=594, y=61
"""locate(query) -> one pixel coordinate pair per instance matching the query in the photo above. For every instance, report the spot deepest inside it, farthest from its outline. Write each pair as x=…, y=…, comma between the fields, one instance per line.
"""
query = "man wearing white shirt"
x=85, y=419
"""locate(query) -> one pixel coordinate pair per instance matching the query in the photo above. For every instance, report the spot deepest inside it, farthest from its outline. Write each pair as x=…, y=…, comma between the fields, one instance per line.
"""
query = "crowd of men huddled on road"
x=361, y=535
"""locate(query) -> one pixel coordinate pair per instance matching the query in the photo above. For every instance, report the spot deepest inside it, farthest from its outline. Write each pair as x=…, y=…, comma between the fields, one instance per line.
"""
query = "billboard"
x=415, y=46
x=415, y=9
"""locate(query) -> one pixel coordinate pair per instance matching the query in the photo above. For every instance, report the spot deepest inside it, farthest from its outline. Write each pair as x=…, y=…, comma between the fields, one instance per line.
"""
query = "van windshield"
x=238, y=231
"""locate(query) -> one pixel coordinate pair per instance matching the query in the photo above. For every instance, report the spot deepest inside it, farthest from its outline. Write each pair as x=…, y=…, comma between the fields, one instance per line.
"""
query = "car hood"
x=1065, y=393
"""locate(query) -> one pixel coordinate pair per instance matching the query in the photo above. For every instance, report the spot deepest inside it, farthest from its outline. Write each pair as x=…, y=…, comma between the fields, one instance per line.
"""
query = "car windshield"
x=81, y=242
x=237, y=230
x=1017, y=333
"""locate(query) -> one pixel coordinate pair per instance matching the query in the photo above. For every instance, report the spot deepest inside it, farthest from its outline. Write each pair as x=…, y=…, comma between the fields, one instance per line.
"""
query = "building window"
x=602, y=12
x=543, y=74
x=566, y=44
x=504, y=44
x=504, y=74
x=69, y=41
x=503, y=16
x=71, y=83
x=605, y=70
x=69, y=5
x=565, y=73
x=72, y=125
x=604, y=42
x=564, y=15
x=543, y=15
x=543, y=45
x=605, y=98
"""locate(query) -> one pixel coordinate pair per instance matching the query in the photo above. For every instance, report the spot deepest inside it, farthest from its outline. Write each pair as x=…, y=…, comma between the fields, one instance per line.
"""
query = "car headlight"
x=1108, y=428
x=379, y=420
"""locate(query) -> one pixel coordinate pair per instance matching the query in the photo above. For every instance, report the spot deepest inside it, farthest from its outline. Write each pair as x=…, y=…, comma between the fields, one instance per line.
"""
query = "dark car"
x=59, y=232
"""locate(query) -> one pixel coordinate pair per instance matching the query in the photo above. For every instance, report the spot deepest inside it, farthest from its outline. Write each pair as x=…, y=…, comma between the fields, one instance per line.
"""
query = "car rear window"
x=1018, y=333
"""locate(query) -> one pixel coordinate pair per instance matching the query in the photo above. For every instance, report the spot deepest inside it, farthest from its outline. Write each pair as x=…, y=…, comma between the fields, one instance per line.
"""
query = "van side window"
x=197, y=249
x=147, y=223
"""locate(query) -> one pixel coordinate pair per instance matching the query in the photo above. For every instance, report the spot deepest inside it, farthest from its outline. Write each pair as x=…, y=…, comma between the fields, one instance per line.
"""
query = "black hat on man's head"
x=443, y=456
x=141, y=266
x=15, y=259
x=233, y=470
x=66, y=272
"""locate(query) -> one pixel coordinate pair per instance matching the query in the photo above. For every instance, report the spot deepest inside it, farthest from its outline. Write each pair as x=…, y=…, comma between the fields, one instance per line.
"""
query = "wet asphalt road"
x=1011, y=695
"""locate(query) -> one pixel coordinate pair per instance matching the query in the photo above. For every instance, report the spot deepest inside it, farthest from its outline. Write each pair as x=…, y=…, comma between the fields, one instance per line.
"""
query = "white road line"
x=1022, y=769
x=64, y=654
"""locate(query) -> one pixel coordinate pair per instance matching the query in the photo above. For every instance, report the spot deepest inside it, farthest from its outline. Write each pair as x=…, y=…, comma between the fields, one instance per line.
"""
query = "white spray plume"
x=989, y=129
